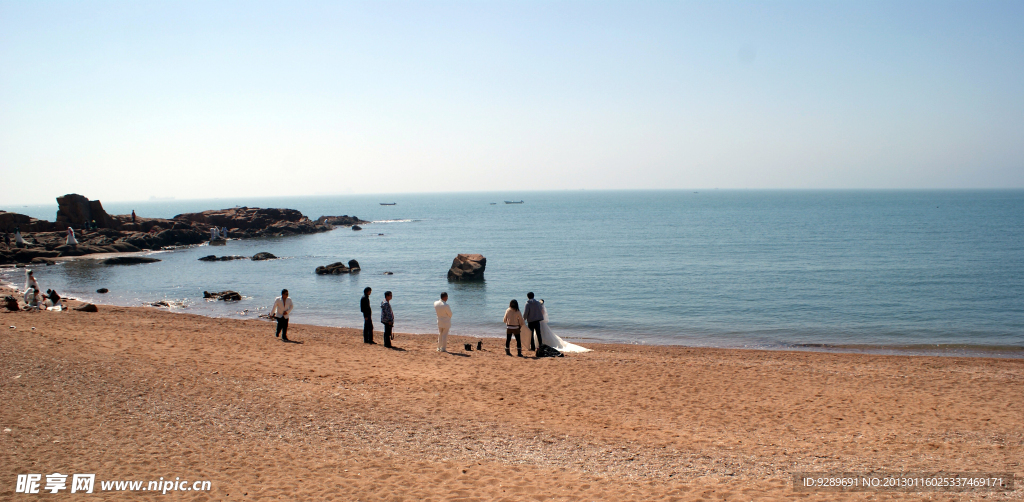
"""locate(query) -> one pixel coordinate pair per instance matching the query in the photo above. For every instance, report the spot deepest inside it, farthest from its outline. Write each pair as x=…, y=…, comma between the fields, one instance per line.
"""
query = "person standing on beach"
x=364, y=307
x=282, y=307
x=444, y=322
x=513, y=326
x=534, y=314
x=387, y=318
x=30, y=280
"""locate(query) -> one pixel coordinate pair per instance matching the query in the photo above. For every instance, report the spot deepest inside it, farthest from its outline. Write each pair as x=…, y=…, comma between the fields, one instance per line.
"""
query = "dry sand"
x=141, y=393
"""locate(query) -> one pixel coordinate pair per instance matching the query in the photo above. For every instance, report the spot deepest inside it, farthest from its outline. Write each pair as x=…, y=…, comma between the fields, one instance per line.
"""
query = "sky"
x=130, y=100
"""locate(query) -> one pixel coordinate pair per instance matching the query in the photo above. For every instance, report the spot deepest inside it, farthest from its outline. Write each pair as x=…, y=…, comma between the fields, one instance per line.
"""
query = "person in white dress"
x=72, y=241
x=553, y=340
x=444, y=322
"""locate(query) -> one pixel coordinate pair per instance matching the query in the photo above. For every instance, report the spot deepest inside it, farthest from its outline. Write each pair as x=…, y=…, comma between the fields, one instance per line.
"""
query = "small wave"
x=392, y=221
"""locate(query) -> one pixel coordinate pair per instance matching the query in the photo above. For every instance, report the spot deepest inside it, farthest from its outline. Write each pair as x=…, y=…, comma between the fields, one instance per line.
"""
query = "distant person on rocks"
x=513, y=326
x=534, y=314
x=17, y=238
x=364, y=307
x=214, y=233
x=444, y=322
x=387, y=318
x=282, y=307
x=224, y=233
x=133, y=216
x=72, y=241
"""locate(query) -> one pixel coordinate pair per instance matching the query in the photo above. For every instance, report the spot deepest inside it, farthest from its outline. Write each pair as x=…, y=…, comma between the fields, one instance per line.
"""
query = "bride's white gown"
x=553, y=340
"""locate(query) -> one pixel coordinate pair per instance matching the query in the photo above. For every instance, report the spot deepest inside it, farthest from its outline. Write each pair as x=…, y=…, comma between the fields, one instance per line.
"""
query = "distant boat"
x=388, y=203
x=513, y=202
x=493, y=203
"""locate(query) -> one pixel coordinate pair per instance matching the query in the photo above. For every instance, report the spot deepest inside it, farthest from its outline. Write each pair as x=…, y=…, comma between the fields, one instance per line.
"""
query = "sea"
x=915, y=272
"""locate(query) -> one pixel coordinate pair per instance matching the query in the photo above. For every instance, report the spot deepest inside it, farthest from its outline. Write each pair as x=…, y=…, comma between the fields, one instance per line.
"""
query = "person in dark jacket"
x=364, y=307
x=534, y=314
x=387, y=318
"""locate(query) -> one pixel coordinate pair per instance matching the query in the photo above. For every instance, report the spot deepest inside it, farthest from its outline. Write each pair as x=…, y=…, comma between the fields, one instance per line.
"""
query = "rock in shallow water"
x=263, y=256
x=228, y=296
x=467, y=267
x=129, y=260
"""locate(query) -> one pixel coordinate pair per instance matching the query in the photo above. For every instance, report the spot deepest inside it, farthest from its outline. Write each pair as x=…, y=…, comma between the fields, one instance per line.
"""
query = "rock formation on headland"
x=99, y=232
x=340, y=221
x=467, y=267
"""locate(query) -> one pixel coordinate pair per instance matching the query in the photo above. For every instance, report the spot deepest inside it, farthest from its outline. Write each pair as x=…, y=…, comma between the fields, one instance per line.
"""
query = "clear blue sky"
x=128, y=100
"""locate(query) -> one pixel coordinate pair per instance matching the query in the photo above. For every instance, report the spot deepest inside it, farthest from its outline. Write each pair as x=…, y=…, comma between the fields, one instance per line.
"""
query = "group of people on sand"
x=35, y=299
x=534, y=316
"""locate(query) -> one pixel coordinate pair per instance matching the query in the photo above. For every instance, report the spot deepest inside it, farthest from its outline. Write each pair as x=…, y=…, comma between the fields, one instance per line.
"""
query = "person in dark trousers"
x=282, y=307
x=533, y=315
x=133, y=216
x=513, y=327
x=387, y=318
x=364, y=307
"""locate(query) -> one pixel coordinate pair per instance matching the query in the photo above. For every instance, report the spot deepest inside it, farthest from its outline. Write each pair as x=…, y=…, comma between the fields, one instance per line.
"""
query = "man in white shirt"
x=444, y=322
x=282, y=307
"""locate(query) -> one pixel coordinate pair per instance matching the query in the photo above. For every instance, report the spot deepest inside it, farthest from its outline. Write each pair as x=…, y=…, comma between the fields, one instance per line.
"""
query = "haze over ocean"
x=888, y=270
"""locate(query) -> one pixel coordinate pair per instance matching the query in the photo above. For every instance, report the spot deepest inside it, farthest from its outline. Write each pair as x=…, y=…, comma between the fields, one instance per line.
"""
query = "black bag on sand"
x=547, y=351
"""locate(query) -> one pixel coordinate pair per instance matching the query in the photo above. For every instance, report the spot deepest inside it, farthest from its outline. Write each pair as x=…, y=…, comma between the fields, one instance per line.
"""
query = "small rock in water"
x=356, y=227
x=263, y=256
x=389, y=273
x=102, y=290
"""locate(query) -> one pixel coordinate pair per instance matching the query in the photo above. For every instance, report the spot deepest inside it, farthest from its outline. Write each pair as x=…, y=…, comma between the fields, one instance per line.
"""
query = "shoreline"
x=915, y=350
x=140, y=393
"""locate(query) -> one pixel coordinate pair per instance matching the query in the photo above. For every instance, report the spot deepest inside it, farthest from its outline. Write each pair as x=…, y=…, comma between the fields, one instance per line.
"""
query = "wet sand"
x=137, y=393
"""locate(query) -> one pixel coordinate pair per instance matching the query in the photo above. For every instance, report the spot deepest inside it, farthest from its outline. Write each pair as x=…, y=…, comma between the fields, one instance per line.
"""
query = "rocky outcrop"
x=467, y=267
x=121, y=234
x=353, y=265
x=77, y=211
x=340, y=221
x=255, y=222
x=263, y=256
x=356, y=227
x=333, y=269
x=11, y=221
x=228, y=296
x=223, y=258
x=129, y=260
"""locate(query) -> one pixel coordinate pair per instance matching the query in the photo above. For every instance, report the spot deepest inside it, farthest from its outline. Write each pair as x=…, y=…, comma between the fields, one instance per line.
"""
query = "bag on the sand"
x=548, y=351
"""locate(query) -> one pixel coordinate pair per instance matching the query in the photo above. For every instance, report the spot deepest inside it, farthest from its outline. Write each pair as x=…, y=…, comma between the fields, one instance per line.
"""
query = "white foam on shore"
x=392, y=221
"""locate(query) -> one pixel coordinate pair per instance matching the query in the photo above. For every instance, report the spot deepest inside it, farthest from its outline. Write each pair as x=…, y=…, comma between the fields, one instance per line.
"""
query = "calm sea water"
x=877, y=270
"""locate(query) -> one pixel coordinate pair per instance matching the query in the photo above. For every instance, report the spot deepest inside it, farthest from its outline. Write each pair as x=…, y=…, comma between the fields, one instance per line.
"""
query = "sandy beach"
x=136, y=393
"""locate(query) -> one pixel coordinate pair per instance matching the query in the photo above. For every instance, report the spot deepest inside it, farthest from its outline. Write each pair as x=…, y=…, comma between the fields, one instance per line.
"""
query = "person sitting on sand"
x=513, y=326
x=282, y=307
x=53, y=297
x=32, y=298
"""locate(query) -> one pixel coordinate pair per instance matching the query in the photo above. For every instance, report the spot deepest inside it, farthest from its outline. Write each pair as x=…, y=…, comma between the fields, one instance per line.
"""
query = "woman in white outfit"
x=72, y=241
x=553, y=340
